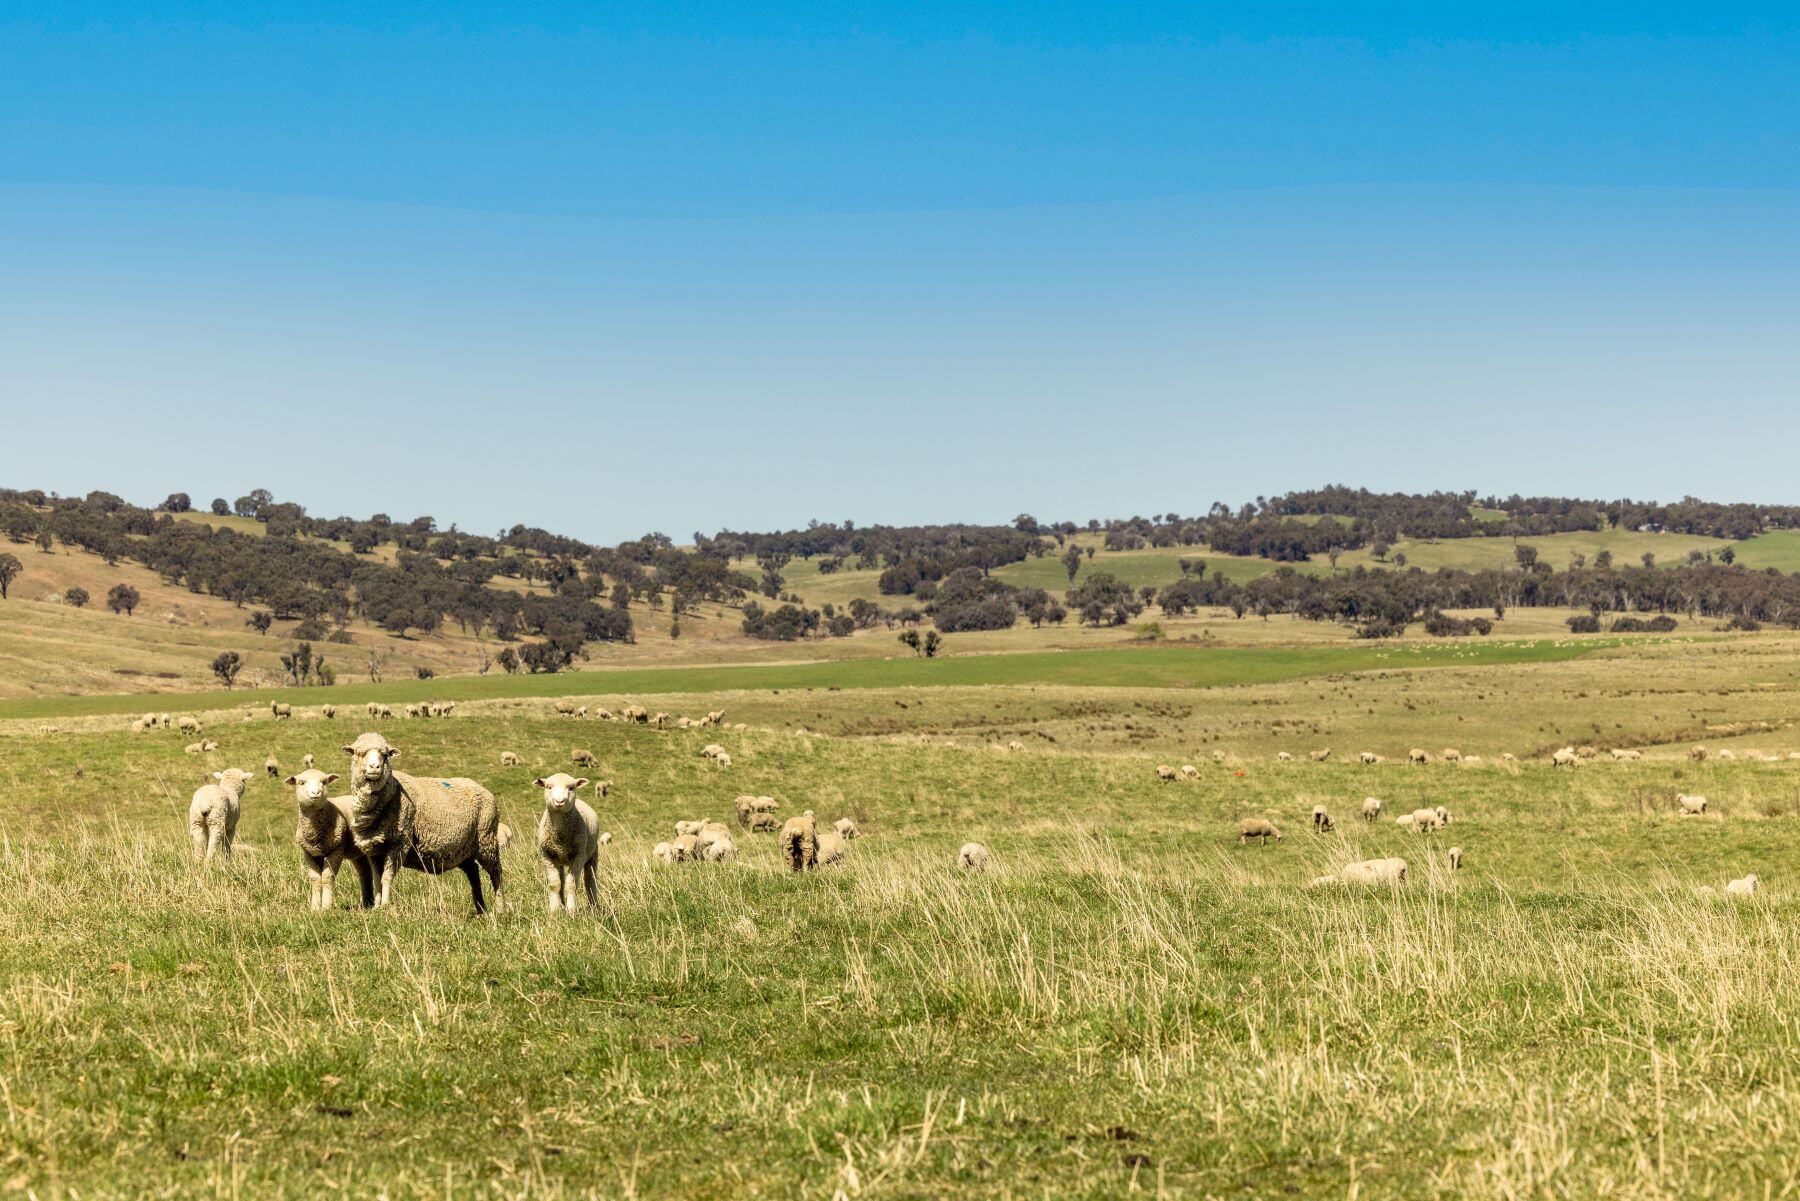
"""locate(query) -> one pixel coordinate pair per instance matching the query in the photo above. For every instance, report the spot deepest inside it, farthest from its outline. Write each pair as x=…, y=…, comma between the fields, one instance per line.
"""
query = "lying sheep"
x=430, y=825
x=973, y=857
x=1727, y=753
x=1405, y=821
x=832, y=848
x=569, y=841
x=1257, y=827
x=324, y=838
x=1691, y=806
x=281, y=710
x=1621, y=755
x=188, y=725
x=689, y=827
x=1189, y=772
x=1744, y=887
x=1374, y=871
x=213, y=813
x=1321, y=820
x=1371, y=808
x=711, y=750
x=800, y=842
x=583, y=758
x=195, y=748
x=509, y=759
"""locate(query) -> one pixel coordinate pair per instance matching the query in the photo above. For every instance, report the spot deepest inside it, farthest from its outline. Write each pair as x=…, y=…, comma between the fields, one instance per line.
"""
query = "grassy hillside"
x=1779, y=549
x=1475, y=554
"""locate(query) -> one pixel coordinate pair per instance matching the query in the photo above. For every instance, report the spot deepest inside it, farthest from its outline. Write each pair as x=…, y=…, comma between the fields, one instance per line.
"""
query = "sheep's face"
x=370, y=758
x=310, y=787
x=559, y=790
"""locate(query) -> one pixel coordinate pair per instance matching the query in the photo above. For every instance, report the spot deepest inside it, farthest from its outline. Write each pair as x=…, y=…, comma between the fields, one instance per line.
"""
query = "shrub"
x=1662, y=623
x=1585, y=623
x=1380, y=627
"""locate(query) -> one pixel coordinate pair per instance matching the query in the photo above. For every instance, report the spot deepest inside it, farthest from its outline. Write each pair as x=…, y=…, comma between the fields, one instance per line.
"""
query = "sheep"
x=1443, y=815
x=328, y=712
x=1452, y=755
x=1425, y=821
x=281, y=710
x=1164, y=772
x=722, y=760
x=660, y=720
x=383, y=711
x=832, y=848
x=602, y=714
x=323, y=836
x=1697, y=754
x=306, y=760
x=1258, y=827
x=719, y=850
x=1322, y=882
x=1189, y=772
x=194, y=748
x=1319, y=756
x=412, y=710
x=846, y=828
x=162, y=719
x=635, y=713
x=1467, y=759
x=1321, y=820
x=800, y=841
x=1218, y=756
x=711, y=832
x=1405, y=821
x=583, y=758
x=973, y=857
x=566, y=708
x=1565, y=758
x=1371, y=808
x=716, y=717
x=430, y=825
x=1015, y=745
x=138, y=726
x=1587, y=752
x=272, y=767
x=1744, y=887
x=509, y=759
x=689, y=827
x=1369, y=758
x=668, y=852
x=1727, y=753
x=1508, y=757
x=689, y=846
x=569, y=840
x=1455, y=858
x=189, y=725
x=749, y=807
x=711, y=750
x=1691, y=806
x=1374, y=871
x=1621, y=755
x=148, y=720
x=1417, y=756
x=213, y=813
x=48, y=729
x=1283, y=757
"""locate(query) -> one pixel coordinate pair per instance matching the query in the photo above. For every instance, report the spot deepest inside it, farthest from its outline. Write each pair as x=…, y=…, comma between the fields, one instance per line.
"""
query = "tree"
x=1526, y=556
x=44, y=541
x=77, y=596
x=1603, y=560
x=910, y=638
x=178, y=502
x=931, y=644
x=10, y=567
x=227, y=666
x=1649, y=559
x=220, y=507
x=1071, y=561
x=260, y=621
x=508, y=659
x=122, y=599
x=1727, y=555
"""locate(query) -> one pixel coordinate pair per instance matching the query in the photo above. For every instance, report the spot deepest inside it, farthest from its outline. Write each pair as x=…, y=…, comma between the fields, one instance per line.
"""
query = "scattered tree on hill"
x=508, y=659
x=931, y=644
x=1649, y=559
x=260, y=621
x=10, y=567
x=1071, y=561
x=76, y=596
x=910, y=638
x=1526, y=556
x=221, y=507
x=1727, y=555
x=227, y=666
x=122, y=599
x=423, y=672
x=178, y=502
x=44, y=541
x=1603, y=560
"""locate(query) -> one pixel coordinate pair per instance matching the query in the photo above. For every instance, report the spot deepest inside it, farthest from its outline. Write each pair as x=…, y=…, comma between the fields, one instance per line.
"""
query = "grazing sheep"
x=1189, y=772
x=1443, y=815
x=1283, y=757
x=1015, y=745
x=973, y=857
x=272, y=767
x=1744, y=887
x=1587, y=752
x=635, y=713
x=1417, y=756
x=1426, y=821
x=1691, y=806
x=430, y=825
x=1371, y=808
x=750, y=806
x=306, y=760
x=411, y=710
x=1452, y=755
x=832, y=848
x=1321, y=820
x=722, y=760
x=1565, y=758
x=188, y=725
x=689, y=846
x=719, y=850
x=1370, y=758
x=1374, y=871
x=566, y=708
x=603, y=787
x=281, y=710
x=1164, y=772
x=328, y=712
x=1621, y=755
x=763, y=822
x=583, y=758
x=660, y=720
x=689, y=827
x=138, y=726
x=1455, y=858
x=162, y=719
x=846, y=828
x=569, y=840
x=213, y=813
x=800, y=841
x=1508, y=757
x=711, y=750
x=1218, y=756
x=603, y=714
x=324, y=838
x=1697, y=754
x=1258, y=827
x=668, y=852
x=509, y=759
x=1405, y=821
x=1319, y=756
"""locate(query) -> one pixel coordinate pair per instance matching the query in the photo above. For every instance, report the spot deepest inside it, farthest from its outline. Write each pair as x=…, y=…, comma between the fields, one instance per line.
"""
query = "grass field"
x=1779, y=549
x=1129, y=1001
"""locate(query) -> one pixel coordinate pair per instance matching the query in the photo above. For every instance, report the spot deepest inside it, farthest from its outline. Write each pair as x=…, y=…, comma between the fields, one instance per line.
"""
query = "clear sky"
x=613, y=268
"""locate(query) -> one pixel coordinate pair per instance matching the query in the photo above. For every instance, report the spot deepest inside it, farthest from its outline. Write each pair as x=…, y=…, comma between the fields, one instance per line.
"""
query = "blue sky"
x=609, y=269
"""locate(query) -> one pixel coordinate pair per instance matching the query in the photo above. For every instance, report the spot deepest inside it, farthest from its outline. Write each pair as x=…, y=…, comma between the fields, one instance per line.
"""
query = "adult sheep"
x=1369, y=758
x=1189, y=772
x=1164, y=772
x=1321, y=820
x=1371, y=808
x=1744, y=887
x=188, y=725
x=1417, y=756
x=429, y=825
x=328, y=712
x=281, y=710
x=213, y=813
x=1565, y=758
x=1452, y=755
x=800, y=842
x=1319, y=756
x=1697, y=754
x=583, y=758
x=509, y=759
x=1691, y=806
x=1258, y=827
x=1374, y=871
x=973, y=857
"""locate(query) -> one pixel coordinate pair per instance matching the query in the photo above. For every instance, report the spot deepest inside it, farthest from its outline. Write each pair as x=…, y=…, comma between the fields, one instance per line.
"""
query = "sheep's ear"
x=389, y=752
x=578, y=784
x=292, y=781
x=540, y=783
x=349, y=750
x=332, y=778
x=219, y=776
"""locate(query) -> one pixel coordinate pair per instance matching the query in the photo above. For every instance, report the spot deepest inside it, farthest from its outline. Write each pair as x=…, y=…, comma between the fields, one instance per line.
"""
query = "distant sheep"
x=1319, y=756
x=1189, y=772
x=800, y=842
x=1426, y=821
x=1164, y=772
x=272, y=767
x=583, y=758
x=668, y=852
x=1283, y=757
x=1443, y=815
x=1622, y=755
x=509, y=759
x=1417, y=756
x=1374, y=871
x=711, y=750
x=1369, y=758
x=722, y=760
x=846, y=828
x=189, y=725
x=1015, y=745
x=1452, y=755
x=1691, y=806
x=1697, y=754
x=833, y=848
x=750, y=807
x=1744, y=887
x=1565, y=758
x=281, y=710
x=328, y=712
x=213, y=814
x=1258, y=827
x=973, y=857
x=1371, y=808
x=1405, y=821
x=1727, y=753
x=1321, y=820
x=1455, y=858
x=566, y=708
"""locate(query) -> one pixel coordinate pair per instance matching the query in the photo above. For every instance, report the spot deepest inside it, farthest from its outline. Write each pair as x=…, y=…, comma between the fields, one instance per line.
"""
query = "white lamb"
x=569, y=840
x=213, y=813
x=1371, y=808
x=1744, y=887
x=1691, y=806
x=973, y=857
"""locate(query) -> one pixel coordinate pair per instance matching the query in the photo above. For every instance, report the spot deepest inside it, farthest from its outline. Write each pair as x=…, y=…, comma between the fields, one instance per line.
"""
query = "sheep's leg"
x=312, y=883
x=328, y=882
x=568, y=889
x=197, y=835
x=365, y=879
x=474, y=874
x=215, y=836
x=384, y=862
x=590, y=879
x=492, y=867
x=553, y=887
